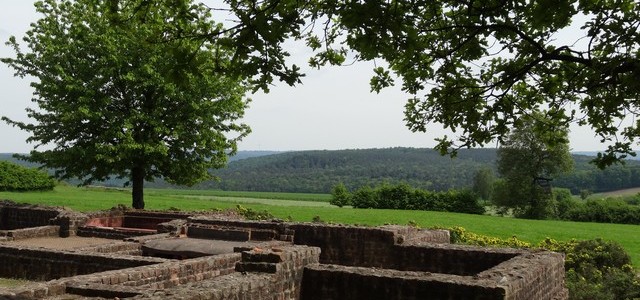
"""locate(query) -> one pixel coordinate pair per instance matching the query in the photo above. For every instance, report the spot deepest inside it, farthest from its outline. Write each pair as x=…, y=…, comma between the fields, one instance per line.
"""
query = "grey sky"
x=332, y=109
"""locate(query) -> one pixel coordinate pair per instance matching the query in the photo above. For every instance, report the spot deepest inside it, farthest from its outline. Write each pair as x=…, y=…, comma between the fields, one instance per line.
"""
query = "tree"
x=483, y=183
x=527, y=162
x=473, y=66
x=124, y=90
x=340, y=196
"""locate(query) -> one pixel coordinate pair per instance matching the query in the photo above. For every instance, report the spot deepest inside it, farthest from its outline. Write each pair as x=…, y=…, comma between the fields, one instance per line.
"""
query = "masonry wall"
x=530, y=276
x=17, y=216
x=324, y=282
x=112, y=233
x=32, y=232
x=40, y=264
x=262, y=275
x=130, y=282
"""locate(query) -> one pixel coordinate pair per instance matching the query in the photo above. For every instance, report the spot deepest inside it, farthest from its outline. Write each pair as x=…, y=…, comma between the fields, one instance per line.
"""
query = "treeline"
x=586, y=176
x=619, y=210
x=319, y=171
x=402, y=196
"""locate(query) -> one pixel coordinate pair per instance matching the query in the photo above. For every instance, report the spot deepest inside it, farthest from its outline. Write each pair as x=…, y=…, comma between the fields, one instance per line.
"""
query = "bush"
x=564, y=202
x=364, y=197
x=594, y=269
x=402, y=196
x=603, y=211
x=340, y=196
x=250, y=214
x=18, y=178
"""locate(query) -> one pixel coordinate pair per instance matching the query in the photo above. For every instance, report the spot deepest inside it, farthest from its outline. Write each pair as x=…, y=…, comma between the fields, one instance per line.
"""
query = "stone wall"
x=28, y=233
x=130, y=282
x=365, y=246
x=112, y=233
x=45, y=264
x=121, y=248
x=262, y=275
x=17, y=216
x=538, y=276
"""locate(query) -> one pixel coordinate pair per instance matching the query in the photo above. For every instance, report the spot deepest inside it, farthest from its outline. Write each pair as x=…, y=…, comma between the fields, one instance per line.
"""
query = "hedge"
x=18, y=178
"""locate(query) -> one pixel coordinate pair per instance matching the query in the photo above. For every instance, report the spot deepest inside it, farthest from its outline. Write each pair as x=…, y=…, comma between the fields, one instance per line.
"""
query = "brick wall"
x=112, y=233
x=354, y=283
x=121, y=248
x=262, y=275
x=17, y=216
x=28, y=233
x=130, y=282
x=530, y=276
x=40, y=264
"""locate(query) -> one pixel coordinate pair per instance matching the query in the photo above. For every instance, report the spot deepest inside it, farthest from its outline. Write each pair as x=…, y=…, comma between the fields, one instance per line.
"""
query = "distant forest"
x=319, y=171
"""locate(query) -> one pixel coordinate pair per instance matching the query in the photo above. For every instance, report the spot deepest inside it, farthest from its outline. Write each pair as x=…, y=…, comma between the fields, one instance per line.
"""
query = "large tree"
x=473, y=66
x=528, y=160
x=124, y=88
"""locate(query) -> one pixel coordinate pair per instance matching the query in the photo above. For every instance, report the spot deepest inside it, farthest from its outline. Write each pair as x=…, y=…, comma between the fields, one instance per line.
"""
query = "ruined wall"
x=536, y=276
x=40, y=264
x=120, y=248
x=130, y=282
x=448, y=259
x=17, y=216
x=262, y=275
x=27, y=233
x=112, y=233
x=353, y=283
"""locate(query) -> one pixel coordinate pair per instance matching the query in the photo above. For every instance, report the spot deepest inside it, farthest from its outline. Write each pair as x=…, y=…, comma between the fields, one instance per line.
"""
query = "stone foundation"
x=45, y=264
x=289, y=261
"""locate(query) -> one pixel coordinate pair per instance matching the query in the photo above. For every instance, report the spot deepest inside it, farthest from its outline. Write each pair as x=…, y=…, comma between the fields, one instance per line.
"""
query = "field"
x=618, y=193
x=308, y=206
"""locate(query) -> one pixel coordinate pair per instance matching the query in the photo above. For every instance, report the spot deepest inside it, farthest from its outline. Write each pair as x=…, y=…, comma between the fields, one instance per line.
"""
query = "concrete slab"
x=191, y=247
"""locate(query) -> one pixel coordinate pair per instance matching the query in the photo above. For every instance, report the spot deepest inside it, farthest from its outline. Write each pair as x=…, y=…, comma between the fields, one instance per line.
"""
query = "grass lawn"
x=9, y=282
x=305, y=209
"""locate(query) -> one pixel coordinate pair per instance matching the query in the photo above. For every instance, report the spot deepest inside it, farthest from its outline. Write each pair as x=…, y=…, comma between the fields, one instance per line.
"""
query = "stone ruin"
x=175, y=255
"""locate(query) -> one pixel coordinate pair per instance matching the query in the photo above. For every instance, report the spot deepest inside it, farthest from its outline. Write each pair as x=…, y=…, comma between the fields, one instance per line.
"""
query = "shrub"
x=402, y=196
x=564, y=202
x=340, y=196
x=595, y=269
x=364, y=197
x=459, y=235
x=251, y=214
x=18, y=178
x=604, y=211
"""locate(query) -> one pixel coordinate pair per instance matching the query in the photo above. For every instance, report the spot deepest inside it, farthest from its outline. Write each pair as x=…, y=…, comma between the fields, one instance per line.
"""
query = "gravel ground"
x=71, y=242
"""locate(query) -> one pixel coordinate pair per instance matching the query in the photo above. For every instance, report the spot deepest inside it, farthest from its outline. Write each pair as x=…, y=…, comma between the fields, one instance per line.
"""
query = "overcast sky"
x=332, y=109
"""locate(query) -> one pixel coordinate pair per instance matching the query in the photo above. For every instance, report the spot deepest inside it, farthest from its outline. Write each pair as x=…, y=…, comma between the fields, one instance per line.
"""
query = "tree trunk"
x=137, y=192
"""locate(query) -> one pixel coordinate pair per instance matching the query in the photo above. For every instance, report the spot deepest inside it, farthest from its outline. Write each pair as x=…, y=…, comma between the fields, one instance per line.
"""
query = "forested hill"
x=319, y=171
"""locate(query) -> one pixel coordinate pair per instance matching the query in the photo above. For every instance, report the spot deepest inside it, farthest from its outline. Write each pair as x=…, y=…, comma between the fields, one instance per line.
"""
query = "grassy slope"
x=85, y=199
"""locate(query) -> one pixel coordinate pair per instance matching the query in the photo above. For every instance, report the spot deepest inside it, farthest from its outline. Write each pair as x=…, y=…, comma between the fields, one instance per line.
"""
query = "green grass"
x=533, y=231
x=254, y=195
x=9, y=282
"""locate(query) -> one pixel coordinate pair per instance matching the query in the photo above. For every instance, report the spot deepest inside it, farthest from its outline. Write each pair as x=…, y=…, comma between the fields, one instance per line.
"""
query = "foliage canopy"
x=476, y=67
x=123, y=88
x=527, y=166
